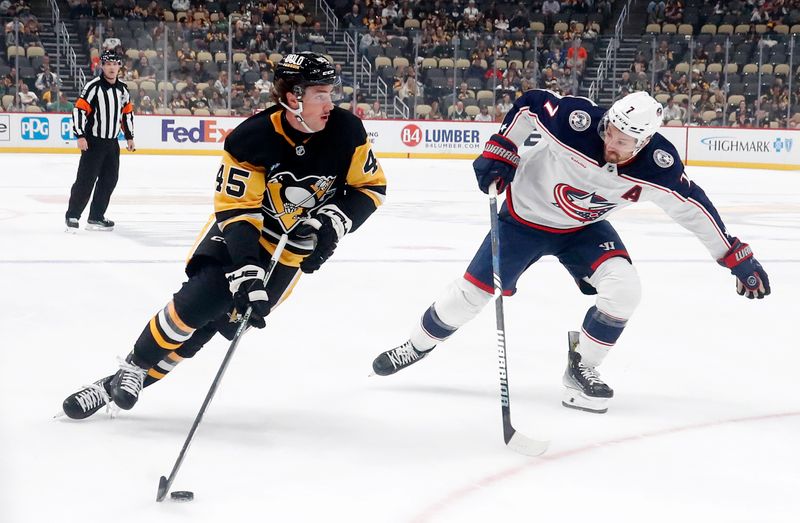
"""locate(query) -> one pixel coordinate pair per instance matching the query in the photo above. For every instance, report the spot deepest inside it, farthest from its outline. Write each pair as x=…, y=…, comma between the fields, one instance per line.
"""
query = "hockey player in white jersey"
x=592, y=163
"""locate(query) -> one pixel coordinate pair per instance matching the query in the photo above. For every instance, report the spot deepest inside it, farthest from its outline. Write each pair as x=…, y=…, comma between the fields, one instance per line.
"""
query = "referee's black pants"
x=99, y=163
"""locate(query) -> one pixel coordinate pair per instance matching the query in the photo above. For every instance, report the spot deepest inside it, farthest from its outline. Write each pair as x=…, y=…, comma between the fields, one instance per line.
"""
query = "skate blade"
x=575, y=399
x=71, y=230
x=99, y=228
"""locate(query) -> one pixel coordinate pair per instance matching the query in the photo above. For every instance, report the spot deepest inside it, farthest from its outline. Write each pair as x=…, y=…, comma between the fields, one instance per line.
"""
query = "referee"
x=103, y=108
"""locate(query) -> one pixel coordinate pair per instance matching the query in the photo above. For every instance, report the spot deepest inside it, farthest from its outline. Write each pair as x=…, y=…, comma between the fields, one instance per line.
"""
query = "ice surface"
x=704, y=427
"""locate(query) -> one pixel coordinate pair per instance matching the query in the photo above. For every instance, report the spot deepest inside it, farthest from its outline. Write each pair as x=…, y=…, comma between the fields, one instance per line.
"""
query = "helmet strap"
x=298, y=92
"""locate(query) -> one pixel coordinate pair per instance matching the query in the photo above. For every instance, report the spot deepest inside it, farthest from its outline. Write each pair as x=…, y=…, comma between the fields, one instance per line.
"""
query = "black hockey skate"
x=584, y=390
x=72, y=225
x=398, y=358
x=127, y=383
x=89, y=399
x=100, y=225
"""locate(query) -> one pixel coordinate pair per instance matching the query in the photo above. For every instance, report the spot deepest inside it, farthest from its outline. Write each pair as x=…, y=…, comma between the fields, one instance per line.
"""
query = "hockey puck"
x=182, y=495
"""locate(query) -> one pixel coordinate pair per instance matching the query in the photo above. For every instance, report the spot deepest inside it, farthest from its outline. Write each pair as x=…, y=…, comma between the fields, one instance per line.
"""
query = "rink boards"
x=203, y=135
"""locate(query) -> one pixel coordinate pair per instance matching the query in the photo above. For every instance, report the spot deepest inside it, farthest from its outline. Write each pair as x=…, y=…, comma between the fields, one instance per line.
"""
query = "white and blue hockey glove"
x=751, y=278
x=246, y=283
x=498, y=163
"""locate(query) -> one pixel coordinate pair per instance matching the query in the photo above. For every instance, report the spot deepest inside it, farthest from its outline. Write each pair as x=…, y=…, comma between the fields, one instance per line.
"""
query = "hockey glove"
x=327, y=228
x=247, y=286
x=498, y=162
x=751, y=279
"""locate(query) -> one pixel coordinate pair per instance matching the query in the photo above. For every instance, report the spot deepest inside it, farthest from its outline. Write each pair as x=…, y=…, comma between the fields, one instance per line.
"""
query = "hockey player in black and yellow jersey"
x=303, y=168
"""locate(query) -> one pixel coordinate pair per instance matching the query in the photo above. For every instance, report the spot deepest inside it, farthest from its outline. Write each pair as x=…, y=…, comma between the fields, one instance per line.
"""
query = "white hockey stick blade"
x=527, y=446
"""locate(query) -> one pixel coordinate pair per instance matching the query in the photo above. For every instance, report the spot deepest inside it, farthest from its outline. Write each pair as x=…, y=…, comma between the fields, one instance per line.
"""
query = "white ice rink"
x=705, y=425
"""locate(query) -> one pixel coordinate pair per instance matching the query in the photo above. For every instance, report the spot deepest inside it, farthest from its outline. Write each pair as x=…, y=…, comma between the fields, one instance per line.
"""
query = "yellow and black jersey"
x=273, y=176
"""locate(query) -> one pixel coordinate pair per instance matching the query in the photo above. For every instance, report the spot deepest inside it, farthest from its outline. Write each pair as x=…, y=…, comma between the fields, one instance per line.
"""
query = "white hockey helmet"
x=638, y=115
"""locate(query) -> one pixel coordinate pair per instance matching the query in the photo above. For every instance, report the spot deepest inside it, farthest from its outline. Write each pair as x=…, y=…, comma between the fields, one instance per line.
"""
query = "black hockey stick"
x=164, y=484
x=514, y=440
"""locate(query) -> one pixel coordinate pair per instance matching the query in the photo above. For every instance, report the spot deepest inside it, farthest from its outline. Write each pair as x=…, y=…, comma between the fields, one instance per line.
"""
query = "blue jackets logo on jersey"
x=579, y=120
x=579, y=204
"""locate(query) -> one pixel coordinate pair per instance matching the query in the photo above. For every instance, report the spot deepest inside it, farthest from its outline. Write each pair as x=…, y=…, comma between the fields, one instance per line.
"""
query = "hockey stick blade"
x=162, y=489
x=527, y=446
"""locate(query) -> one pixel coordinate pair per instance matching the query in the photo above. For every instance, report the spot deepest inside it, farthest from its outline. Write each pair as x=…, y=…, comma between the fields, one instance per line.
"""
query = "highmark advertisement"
x=204, y=135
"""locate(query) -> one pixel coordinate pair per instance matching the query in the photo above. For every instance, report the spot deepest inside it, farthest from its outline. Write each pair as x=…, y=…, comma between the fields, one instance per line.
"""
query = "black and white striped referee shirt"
x=103, y=109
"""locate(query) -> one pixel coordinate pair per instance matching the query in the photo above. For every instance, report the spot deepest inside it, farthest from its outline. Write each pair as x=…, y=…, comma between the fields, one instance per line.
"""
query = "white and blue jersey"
x=564, y=184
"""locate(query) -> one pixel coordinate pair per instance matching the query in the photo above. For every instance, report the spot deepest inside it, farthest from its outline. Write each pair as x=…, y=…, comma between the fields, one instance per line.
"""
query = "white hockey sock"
x=460, y=302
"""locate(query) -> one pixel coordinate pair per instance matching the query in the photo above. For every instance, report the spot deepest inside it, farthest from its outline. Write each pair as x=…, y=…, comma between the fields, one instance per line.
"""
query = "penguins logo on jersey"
x=290, y=198
x=663, y=158
x=579, y=120
x=580, y=205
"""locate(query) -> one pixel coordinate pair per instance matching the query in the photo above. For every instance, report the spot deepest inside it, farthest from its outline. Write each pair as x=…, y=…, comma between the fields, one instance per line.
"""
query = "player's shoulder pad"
x=572, y=120
x=251, y=136
x=345, y=125
x=658, y=162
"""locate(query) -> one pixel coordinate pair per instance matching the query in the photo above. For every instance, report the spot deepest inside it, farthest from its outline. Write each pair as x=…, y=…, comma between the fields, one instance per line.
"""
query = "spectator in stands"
x=666, y=84
x=463, y=92
x=577, y=55
x=436, y=112
x=717, y=55
x=656, y=11
x=698, y=82
x=46, y=80
x=199, y=73
x=264, y=84
x=625, y=83
x=376, y=112
x=700, y=54
x=484, y=115
x=145, y=70
x=119, y=10
x=353, y=19
x=550, y=8
x=459, y=112
x=409, y=86
x=146, y=106
x=26, y=96
x=368, y=40
x=316, y=35
x=471, y=12
x=180, y=5
x=62, y=105
x=673, y=111
x=501, y=23
x=475, y=69
x=81, y=9
x=222, y=85
x=7, y=85
x=197, y=101
x=186, y=53
x=504, y=106
x=216, y=101
x=493, y=73
x=389, y=12
x=673, y=13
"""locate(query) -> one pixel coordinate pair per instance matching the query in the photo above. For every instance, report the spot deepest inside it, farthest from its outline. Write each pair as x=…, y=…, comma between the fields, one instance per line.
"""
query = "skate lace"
x=403, y=355
x=590, y=375
x=132, y=377
x=95, y=395
x=92, y=396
